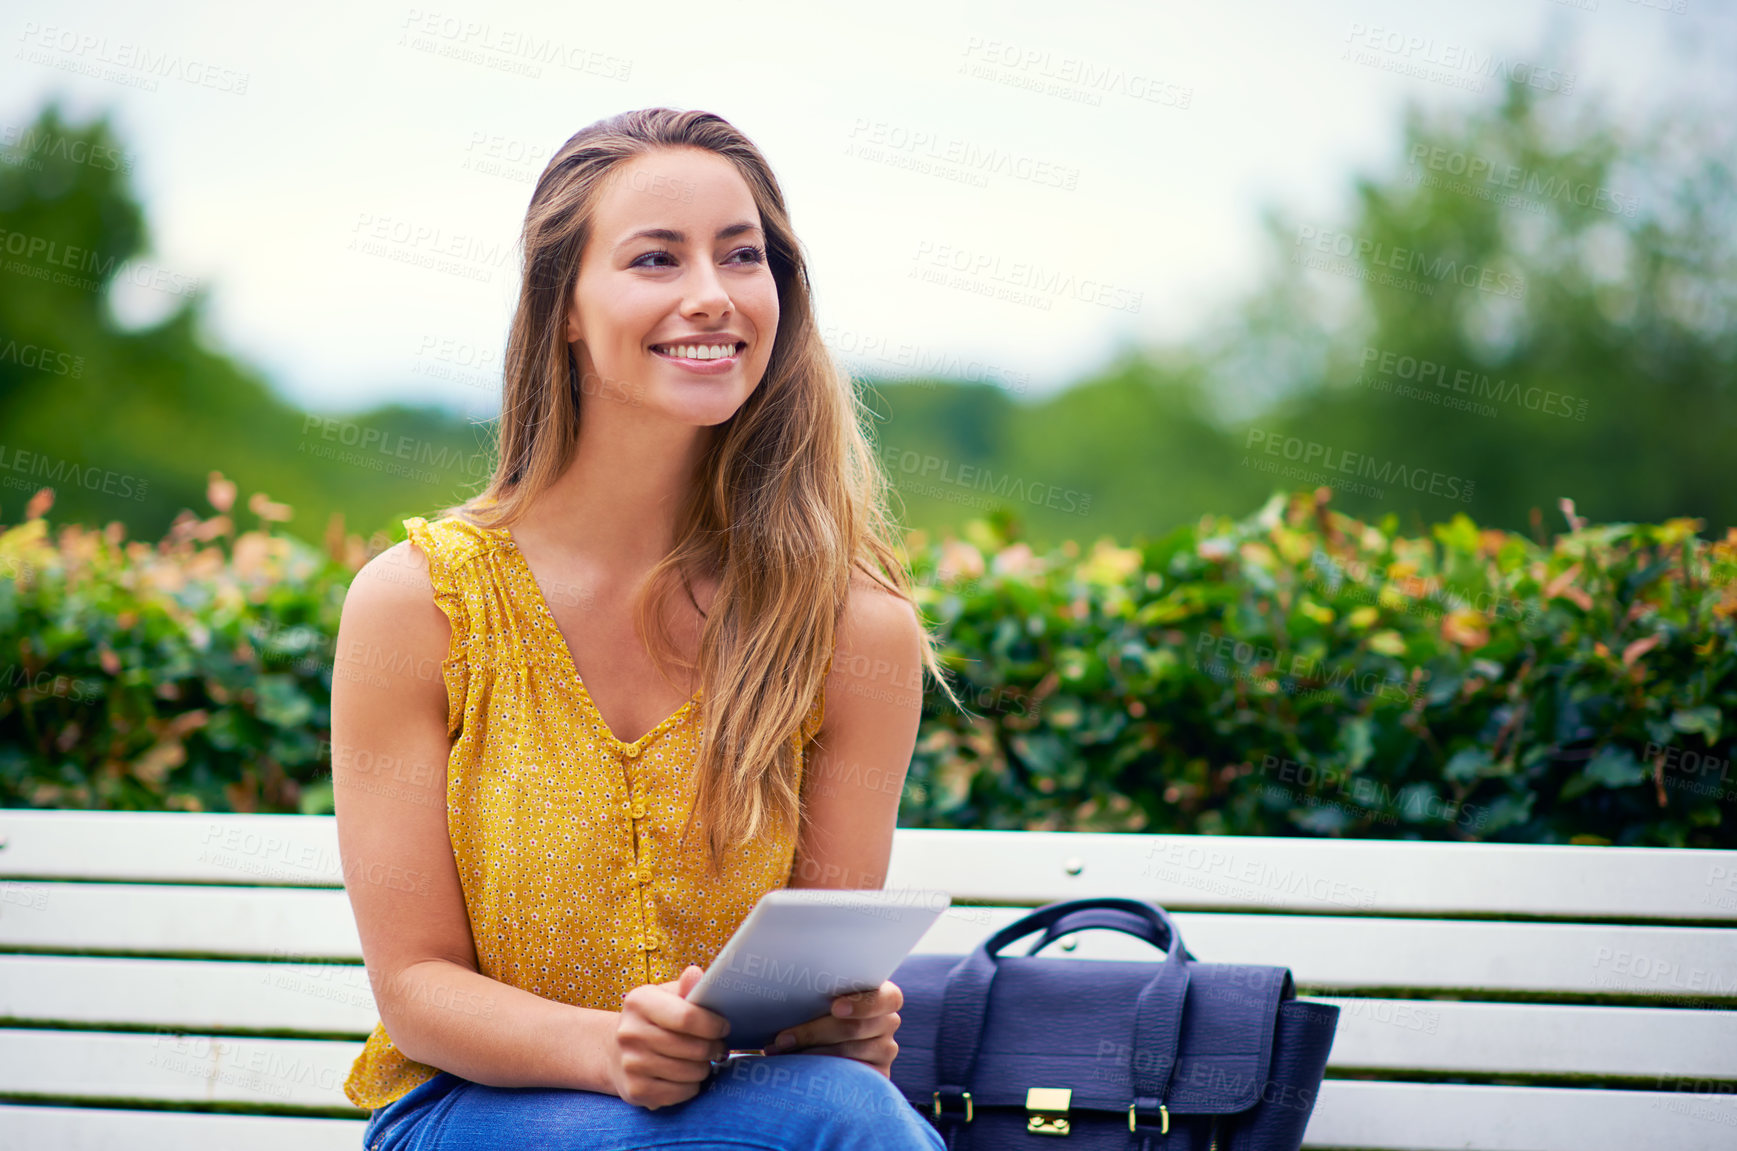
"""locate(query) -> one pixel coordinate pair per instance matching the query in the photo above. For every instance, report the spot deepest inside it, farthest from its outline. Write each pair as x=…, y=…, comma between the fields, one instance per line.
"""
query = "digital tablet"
x=800, y=947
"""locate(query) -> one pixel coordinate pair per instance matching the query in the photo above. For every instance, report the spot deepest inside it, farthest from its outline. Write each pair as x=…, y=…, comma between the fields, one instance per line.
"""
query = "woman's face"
x=699, y=277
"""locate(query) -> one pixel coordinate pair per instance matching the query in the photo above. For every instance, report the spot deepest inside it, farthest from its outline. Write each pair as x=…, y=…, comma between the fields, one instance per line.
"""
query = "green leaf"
x=1355, y=742
x=1697, y=720
x=1612, y=767
x=281, y=701
x=1469, y=764
x=317, y=798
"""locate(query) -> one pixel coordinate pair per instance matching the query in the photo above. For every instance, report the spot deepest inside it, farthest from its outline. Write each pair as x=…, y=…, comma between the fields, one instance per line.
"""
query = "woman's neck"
x=615, y=507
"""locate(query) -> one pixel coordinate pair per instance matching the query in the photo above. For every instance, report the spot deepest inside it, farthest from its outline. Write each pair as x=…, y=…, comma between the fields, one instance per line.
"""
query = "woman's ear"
x=574, y=335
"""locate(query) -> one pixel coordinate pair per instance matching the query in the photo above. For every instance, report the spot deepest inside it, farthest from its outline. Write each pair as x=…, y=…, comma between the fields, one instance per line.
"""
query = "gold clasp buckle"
x=1046, y=1110
x=965, y=1095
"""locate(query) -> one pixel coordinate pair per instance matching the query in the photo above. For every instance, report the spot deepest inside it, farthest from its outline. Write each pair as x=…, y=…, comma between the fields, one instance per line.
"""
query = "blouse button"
x=638, y=811
x=631, y=751
x=643, y=875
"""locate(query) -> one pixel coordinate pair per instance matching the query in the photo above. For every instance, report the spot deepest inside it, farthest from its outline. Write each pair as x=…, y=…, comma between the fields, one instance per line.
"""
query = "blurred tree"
x=1540, y=305
x=127, y=424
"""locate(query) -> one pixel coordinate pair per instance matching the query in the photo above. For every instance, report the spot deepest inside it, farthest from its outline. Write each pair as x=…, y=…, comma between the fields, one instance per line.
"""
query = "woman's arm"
x=389, y=756
x=857, y=763
x=854, y=776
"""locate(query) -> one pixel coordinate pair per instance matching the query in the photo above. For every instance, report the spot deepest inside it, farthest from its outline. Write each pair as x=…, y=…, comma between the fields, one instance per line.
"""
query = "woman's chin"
x=697, y=405
x=699, y=413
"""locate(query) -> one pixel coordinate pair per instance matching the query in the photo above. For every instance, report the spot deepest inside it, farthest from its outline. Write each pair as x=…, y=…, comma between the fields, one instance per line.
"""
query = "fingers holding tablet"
x=664, y=1044
x=860, y=1026
x=887, y=997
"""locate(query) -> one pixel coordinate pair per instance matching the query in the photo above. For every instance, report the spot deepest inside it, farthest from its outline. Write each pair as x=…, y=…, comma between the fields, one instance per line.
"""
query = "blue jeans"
x=791, y=1102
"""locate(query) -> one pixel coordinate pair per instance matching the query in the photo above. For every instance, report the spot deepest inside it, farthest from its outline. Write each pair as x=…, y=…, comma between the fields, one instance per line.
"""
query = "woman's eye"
x=752, y=255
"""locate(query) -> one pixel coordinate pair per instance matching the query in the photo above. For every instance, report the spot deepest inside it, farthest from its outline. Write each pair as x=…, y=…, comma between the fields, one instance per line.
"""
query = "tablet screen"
x=801, y=947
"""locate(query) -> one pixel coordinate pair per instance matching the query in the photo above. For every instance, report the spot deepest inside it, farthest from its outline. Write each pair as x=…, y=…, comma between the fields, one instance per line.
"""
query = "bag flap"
x=1070, y=1023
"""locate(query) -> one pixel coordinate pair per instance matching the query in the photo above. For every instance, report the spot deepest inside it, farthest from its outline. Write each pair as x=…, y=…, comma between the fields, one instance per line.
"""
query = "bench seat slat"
x=1394, y=1035
x=1666, y=963
x=112, y=1129
x=1314, y=876
x=1669, y=964
x=178, y=1068
x=1451, y=1117
x=1348, y=1114
x=194, y=995
x=1408, y=1035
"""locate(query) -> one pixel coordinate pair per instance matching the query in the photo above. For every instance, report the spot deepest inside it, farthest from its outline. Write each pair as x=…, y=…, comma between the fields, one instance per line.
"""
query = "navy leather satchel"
x=1053, y=1054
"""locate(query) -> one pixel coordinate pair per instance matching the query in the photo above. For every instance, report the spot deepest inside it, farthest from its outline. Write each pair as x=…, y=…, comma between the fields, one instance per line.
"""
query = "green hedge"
x=1295, y=672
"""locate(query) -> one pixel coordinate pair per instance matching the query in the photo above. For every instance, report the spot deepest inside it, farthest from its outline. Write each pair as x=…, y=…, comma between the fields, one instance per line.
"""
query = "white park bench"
x=193, y=981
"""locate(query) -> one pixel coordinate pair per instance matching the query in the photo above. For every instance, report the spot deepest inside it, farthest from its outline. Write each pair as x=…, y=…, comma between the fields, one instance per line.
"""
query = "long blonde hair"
x=791, y=497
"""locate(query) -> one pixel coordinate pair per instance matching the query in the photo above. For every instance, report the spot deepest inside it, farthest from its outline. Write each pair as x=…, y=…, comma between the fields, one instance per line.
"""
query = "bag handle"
x=1157, y=1027
x=1159, y=931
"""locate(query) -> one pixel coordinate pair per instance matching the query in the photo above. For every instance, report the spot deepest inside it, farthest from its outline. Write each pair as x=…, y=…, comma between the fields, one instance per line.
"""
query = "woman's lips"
x=715, y=367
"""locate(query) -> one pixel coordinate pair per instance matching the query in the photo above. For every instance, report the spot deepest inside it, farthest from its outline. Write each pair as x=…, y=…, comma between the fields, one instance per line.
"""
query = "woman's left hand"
x=860, y=1027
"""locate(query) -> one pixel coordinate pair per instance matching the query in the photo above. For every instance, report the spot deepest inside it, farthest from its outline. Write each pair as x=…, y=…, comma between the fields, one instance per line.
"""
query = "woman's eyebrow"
x=671, y=236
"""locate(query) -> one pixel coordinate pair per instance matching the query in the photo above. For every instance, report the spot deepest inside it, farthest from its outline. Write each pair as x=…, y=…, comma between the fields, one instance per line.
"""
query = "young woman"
x=660, y=666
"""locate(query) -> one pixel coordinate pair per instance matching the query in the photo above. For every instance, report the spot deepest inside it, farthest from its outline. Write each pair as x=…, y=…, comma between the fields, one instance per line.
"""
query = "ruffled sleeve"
x=449, y=597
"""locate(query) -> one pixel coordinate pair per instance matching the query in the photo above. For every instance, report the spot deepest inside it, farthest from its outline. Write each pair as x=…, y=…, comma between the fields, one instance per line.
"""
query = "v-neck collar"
x=546, y=619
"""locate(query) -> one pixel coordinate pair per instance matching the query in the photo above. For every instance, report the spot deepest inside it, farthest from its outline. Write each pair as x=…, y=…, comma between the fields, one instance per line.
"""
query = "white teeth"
x=699, y=351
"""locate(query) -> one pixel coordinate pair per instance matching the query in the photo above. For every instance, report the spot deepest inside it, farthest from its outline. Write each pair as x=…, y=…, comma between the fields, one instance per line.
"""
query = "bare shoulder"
x=877, y=616
x=390, y=618
x=877, y=670
x=397, y=575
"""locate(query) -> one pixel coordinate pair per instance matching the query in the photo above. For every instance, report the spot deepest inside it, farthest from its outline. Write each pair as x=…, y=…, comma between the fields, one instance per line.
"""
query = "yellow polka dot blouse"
x=565, y=836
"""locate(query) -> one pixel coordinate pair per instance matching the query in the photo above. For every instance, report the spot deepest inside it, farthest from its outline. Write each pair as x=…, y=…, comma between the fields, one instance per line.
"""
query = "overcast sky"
x=348, y=179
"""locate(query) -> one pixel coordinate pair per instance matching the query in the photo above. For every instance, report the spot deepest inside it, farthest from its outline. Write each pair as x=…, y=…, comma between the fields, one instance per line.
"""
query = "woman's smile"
x=707, y=359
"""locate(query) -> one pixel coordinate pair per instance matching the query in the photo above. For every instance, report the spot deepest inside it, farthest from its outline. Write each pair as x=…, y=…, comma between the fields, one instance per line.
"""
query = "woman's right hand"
x=664, y=1045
